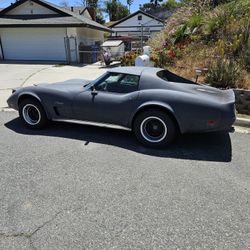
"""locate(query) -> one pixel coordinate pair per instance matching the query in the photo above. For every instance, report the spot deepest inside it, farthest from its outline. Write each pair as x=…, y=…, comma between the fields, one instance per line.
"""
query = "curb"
x=242, y=122
x=7, y=110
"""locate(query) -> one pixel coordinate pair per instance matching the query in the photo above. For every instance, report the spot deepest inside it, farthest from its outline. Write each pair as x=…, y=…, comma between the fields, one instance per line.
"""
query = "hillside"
x=215, y=40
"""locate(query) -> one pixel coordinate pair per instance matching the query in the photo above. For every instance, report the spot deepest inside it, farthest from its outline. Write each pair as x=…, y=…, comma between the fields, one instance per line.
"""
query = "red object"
x=211, y=122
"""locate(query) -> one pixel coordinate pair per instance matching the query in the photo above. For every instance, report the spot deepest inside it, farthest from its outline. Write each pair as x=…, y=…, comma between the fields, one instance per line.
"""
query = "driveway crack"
x=29, y=235
x=22, y=84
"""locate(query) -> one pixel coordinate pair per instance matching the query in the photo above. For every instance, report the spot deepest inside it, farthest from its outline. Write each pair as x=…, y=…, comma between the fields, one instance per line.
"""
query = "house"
x=87, y=12
x=36, y=30
x=136, y=28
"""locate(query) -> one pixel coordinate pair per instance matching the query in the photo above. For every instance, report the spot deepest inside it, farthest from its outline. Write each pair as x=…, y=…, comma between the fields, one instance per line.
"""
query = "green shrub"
x=223, y=73
x=215, y=23
x=245, y=58
x=182, y=32
x=195, y=21
x=238, y=8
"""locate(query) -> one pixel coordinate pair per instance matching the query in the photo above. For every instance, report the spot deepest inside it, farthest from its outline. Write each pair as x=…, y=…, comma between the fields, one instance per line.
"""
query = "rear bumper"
x=223, y=120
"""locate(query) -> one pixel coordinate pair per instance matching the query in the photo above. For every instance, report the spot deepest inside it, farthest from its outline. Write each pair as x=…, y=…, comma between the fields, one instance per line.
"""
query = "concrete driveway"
x=19, y=75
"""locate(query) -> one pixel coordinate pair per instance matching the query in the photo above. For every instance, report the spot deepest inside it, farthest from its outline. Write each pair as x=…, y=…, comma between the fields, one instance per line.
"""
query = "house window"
x=139, y=17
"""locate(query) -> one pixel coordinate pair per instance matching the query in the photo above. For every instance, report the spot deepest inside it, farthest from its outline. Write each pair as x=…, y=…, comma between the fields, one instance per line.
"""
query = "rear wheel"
x=154, y=128
x=32, y=113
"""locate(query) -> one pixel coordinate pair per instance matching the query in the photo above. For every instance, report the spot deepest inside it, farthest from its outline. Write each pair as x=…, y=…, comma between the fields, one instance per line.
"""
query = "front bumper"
x=12, y=101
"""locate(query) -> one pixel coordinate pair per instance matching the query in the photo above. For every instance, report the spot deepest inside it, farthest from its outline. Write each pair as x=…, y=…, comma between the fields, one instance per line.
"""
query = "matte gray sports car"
x=155, y=103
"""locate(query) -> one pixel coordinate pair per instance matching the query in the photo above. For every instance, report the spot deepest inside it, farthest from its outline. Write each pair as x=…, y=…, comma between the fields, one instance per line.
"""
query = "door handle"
x=94, y=92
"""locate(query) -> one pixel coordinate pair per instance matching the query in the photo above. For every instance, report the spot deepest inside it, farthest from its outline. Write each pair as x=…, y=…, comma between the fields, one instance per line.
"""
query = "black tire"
x=32, y=113
x=154, y=128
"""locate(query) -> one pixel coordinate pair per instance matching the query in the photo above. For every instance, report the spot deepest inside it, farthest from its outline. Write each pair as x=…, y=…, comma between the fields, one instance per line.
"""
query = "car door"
x=111, y=100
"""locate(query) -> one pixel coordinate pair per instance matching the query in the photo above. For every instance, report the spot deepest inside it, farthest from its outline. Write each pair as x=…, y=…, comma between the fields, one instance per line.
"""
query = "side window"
x=119, y=83
x=110, y=80
x=130, y=83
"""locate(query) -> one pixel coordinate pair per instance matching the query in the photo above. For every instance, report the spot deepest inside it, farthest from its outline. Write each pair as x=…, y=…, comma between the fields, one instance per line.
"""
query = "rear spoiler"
x=228, y=96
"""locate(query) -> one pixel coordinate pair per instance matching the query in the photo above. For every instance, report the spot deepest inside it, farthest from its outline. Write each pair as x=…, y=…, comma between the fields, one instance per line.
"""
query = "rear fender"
x=154, y=104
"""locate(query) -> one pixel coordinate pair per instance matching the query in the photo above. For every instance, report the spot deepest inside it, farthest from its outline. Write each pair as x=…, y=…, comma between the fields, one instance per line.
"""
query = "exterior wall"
x=242, y=101
x=132, y=26
x=85, y=39
x=89, y=36
x=133, y=21
x=136, y=33
x=71, y=32
x=30, y=8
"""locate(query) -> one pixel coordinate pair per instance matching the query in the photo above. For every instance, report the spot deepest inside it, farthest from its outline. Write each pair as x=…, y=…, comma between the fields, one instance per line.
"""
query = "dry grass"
x=222, y=34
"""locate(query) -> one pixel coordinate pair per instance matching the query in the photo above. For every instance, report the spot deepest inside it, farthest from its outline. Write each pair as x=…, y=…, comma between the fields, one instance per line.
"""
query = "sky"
x=134, y=6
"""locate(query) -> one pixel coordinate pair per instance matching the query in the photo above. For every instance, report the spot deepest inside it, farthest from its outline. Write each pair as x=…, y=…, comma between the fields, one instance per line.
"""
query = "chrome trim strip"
x=98, y=124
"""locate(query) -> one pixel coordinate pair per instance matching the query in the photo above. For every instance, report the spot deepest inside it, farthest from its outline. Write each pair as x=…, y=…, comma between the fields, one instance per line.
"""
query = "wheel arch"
x=33, y=96
x=27, y=96
x=158, y=106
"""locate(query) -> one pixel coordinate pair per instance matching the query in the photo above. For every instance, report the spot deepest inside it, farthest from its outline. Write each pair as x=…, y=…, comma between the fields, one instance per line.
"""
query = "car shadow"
x=214, y=146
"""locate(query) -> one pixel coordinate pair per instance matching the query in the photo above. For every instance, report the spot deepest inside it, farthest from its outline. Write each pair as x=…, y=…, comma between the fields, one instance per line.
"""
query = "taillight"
x=211, y=122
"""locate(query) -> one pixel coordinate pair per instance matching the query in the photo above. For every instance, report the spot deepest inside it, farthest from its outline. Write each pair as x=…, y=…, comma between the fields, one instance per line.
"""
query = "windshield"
x=92, y=83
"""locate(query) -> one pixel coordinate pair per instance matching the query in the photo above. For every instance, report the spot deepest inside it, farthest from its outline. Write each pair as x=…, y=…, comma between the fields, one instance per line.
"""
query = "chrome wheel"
x=153, y=129
x=31, y=114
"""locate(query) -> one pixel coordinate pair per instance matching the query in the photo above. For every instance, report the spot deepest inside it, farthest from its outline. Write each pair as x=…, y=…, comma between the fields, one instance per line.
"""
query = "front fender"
x=27, y=93
x=34, y=95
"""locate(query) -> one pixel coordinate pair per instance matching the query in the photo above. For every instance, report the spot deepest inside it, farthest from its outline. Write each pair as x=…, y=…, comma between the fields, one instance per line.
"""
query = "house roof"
x=62, y=18
x=112, y=43
x=134, y=14
x=76, y=9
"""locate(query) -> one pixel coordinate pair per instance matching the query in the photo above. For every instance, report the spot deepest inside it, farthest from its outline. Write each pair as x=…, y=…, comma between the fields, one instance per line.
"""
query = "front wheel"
x=154, y=128
x=32, y=113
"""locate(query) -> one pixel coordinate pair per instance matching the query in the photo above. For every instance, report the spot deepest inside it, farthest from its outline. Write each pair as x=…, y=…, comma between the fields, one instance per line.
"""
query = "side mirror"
x=93, y=91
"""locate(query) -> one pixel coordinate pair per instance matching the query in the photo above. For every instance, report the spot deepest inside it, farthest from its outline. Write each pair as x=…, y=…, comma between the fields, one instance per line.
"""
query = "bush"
x=195, y=21
x=215, y=23
x=223, y=73
x=129, y=58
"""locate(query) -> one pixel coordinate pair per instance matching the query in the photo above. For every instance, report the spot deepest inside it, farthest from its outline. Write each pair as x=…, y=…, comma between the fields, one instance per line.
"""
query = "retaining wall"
x=242, y=100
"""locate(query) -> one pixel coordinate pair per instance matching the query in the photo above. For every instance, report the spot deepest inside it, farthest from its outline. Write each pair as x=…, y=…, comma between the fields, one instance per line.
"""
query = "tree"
x=147, y=7
x=129, y=3
x=171, y=4
x=99, y=16
x=64, y=3
x=115, y=10
x=92, y=3
x=156, y=2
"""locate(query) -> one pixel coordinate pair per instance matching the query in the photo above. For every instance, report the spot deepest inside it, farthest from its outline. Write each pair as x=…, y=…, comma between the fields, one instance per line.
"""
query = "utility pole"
x=141, y=37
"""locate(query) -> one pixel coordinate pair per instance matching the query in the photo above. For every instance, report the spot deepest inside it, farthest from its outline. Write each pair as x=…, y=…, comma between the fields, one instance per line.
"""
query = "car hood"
x=66, y=86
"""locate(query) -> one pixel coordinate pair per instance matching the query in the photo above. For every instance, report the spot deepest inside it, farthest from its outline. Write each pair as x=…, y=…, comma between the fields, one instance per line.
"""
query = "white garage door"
x=33, y=44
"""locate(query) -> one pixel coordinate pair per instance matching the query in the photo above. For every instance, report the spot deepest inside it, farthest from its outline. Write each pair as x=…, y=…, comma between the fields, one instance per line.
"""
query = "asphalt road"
x=81, y=187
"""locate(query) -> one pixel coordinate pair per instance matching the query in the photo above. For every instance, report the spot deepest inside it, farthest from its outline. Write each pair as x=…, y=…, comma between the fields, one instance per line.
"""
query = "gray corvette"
x=154, y=103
